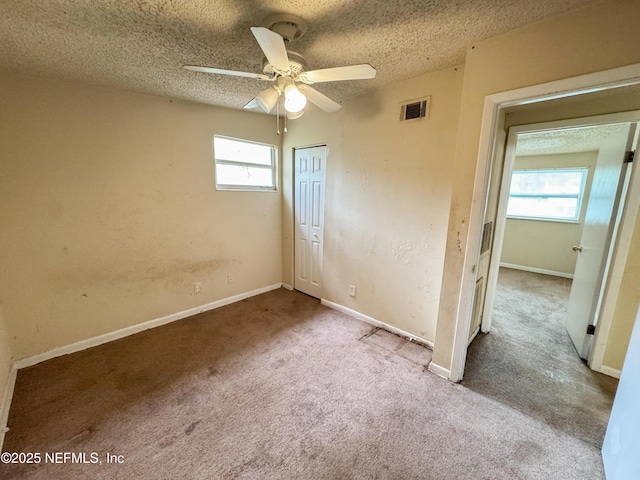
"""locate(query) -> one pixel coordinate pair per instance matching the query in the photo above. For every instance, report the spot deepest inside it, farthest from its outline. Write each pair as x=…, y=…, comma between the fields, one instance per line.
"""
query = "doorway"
x=309, y=180
x=591, y=94
x=556, y=183
x=558, y=210
x=604, y=92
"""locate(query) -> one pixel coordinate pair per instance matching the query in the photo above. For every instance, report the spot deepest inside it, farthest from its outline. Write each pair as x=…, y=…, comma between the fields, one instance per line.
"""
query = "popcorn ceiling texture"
x=141, y=45
x=587, y=139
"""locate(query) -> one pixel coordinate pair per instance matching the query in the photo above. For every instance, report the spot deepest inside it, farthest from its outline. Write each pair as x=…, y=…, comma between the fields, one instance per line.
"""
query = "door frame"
x=614, y=255
x=493, y=118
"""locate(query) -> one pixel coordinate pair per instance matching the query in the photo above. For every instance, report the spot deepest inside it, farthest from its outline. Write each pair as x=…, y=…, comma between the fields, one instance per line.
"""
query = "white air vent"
x=415, y=109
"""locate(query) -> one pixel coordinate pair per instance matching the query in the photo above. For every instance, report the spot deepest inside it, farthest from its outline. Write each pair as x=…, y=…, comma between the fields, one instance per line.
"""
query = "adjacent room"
x=252, y=239
x=529, y=360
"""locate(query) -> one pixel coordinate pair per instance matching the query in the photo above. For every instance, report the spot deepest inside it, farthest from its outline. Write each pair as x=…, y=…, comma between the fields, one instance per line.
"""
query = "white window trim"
x=247, y=188
x=579, y=196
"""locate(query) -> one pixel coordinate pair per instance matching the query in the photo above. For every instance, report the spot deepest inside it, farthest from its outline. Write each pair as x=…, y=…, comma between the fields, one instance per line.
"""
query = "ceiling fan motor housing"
x=287, y=26
x=297, y=65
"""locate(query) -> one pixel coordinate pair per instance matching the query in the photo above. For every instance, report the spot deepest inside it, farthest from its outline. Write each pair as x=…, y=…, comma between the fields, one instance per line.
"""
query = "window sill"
x=538, y=219
x=245, y=189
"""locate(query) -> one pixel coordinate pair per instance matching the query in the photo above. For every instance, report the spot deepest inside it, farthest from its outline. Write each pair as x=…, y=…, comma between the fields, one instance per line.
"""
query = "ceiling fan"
x=287, y=70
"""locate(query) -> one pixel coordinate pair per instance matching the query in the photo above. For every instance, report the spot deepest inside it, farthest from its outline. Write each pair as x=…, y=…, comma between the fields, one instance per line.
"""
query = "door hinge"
x=629, y=156
x=591, y=329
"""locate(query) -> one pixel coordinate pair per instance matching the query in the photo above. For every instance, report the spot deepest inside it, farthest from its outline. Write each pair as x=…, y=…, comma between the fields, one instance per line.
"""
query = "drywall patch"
x=371, y=240
x=401, y=250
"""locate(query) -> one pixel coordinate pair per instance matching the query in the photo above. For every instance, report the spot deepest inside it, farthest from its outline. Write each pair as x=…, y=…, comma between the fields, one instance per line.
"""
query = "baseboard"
x=125, y=332
x=612, y=372
x=377, y=323
x=526, y=268
x=287, y=286
x=6, y=402
x=440, y=371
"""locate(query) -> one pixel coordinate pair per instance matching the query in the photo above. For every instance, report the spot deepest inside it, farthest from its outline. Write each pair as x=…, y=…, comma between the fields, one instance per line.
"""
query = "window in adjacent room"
x=551, y=194
x=244, y=165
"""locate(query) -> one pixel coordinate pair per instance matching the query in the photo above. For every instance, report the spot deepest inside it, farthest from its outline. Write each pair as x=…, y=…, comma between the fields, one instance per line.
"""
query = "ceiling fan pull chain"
x=285, y=122
x=278, y=117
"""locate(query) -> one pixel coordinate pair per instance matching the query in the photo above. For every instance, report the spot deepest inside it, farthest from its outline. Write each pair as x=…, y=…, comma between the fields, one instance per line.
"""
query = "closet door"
x=310, y=164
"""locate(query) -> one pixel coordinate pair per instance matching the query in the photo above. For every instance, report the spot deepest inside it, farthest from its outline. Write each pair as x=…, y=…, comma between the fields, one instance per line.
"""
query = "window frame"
x=273, y=167
x=579, y=197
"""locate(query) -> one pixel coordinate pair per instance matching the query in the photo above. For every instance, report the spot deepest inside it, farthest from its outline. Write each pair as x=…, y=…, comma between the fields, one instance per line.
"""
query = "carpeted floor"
x=529, y=363
x=275, y=387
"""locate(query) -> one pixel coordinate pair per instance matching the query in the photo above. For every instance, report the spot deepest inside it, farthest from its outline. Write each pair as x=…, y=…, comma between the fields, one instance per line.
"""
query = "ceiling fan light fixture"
x=294, y=100
x=267, y=99
x=293, y=116
x=285, y=67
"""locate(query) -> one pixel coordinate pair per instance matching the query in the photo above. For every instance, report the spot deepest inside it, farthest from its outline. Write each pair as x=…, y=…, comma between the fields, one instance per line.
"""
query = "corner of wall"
x=7, y=396
x=7, y=377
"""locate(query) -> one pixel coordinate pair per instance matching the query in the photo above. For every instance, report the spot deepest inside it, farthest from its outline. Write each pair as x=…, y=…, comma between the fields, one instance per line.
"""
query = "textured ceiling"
x=570, y=140
x=141, y=45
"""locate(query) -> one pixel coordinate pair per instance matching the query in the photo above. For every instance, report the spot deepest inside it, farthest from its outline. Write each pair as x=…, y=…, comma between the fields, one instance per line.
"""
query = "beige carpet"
x=275, y=387
x=529, y=363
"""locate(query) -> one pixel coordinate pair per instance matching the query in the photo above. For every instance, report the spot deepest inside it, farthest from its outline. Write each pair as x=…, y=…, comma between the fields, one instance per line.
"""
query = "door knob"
x=576, y=248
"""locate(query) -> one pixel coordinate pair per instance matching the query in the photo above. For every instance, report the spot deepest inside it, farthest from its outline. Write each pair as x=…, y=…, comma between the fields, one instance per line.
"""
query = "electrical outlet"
x=197, y=288
x=352, y=290
x=229, y=279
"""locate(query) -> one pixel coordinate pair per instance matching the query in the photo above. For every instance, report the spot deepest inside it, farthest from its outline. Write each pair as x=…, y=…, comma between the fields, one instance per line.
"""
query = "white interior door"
x=622, y=442
x=593, y=250
x=310, y=165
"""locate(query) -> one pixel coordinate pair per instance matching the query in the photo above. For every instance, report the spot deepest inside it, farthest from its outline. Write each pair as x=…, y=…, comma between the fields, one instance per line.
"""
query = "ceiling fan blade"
x=260, y=76
x=273, y=47
x=251, y=105
x=319, y=99
x=352, y=72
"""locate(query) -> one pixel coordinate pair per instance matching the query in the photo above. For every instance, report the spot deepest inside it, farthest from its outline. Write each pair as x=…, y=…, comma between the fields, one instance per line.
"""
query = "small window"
x=244, y=165
x=547, y=194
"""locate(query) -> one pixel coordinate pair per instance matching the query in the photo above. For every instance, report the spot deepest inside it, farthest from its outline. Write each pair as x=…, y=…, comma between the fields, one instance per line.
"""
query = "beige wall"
x=110, y=213
x=547, y=245
x=387, y=200
x=626, y=307
x=598, y=37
